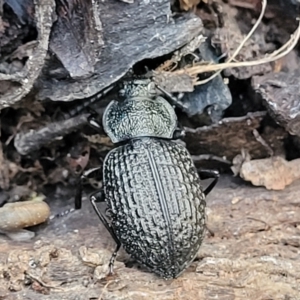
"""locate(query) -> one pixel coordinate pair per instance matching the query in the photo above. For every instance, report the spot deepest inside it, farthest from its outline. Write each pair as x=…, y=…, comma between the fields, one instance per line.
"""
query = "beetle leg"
x=206, y=174
x=93, y=122
x=174, y=100
x=85, y=104
x=96, y=198
x=179, y=132
x=78, y=194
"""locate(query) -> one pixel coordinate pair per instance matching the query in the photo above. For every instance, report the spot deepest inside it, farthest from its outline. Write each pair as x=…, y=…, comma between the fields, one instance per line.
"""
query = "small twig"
x=281, y=52
x=104, y=289
x=35, y=139
x=267, y=226
x=263, y=9
x=185, y=50
x=237, y=51
x=259, y=138
x=215, y=67
x=282, y=48
x=41, y=282
x=197, y=158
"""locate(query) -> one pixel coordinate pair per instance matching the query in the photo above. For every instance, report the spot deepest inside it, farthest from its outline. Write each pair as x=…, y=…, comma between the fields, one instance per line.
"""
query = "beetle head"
x=139, y=117
x=138, y=88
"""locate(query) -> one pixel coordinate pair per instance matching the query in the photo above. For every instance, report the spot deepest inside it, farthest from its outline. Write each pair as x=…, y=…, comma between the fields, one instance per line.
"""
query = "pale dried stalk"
x=239, y=48
x=281, y=52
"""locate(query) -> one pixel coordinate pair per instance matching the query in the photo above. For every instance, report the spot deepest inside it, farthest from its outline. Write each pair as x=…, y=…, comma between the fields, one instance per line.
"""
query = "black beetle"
x=151, y=185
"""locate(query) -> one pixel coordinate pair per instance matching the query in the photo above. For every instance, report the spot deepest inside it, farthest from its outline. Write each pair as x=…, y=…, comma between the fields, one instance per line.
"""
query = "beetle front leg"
x=93, y=122
x=207, y=174
x=78, y=193
x=96, y=198
x=179, y=132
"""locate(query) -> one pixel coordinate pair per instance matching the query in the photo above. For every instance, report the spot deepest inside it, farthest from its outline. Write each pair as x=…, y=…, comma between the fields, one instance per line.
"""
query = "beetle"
x=150, y=184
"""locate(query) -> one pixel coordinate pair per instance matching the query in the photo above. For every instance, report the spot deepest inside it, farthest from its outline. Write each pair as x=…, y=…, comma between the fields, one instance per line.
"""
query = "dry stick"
x=293, y=41
x=284, y=50
x=237, y=51
x=33, y=140
x=260, y=139
x=216, y=67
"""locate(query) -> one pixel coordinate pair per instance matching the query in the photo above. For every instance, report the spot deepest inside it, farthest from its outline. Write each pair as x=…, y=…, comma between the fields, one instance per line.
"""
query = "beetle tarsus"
x=96, y=198
x=93, y=122
x=113, y=258
x=168, y=95
x=78, y=194
x=179, y=132
x=207, y=174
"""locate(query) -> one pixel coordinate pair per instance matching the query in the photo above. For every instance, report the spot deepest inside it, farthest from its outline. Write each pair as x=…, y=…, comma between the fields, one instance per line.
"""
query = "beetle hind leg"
x=113, y=258
x=207, y=174
x=95, y=198
x=78, y=193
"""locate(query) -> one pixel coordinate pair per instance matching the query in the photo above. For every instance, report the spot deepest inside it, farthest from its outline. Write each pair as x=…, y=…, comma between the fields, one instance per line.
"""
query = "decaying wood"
x=214, y=95
x=230, y=37
x=131, y=33
x=33, y=140
x=17, y=85
x=251, y=253
x=280, y=92
x=200, y=141
x=76, y=36
x=230, y=135
x=110, y=37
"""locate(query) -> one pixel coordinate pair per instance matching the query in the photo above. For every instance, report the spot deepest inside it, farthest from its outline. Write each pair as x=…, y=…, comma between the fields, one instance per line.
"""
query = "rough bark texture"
x=14, y=87
x=90, y=45
x=280, y=92
x=230, y=135
x=251, y=252
x=131, y=33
